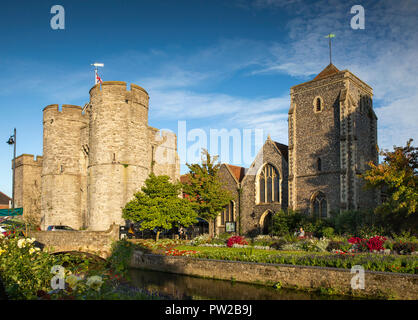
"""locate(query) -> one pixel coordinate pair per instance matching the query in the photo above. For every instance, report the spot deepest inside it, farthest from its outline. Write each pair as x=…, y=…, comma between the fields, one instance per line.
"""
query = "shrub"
x=328, y=232
x=404, y=247
x=236, y=240
x=278, y=244
x=204, y=238
x=372, y=244
x=336, y=245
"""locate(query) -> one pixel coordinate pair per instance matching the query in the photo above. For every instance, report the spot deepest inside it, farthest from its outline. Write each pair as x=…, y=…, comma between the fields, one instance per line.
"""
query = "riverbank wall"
x=339, y=281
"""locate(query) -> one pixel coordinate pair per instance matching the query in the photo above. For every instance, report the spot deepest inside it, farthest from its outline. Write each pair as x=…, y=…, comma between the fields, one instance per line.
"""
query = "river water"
x=184, y=287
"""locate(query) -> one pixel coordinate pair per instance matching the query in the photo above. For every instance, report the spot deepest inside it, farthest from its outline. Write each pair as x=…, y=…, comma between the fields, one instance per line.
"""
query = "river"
x=184, y=287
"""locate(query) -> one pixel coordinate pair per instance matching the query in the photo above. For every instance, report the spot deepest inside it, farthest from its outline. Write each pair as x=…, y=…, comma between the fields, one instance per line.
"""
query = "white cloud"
x=384, y=55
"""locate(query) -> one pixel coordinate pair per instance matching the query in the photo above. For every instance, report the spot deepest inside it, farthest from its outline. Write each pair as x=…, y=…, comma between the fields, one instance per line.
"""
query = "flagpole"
x=14, y=169
x=330, y=57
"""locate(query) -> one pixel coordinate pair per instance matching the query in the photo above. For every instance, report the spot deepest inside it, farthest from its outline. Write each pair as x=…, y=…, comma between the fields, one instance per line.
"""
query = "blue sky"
x=215, y=64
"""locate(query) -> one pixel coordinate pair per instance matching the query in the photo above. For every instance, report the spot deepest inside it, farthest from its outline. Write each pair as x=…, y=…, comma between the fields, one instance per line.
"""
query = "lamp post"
x=12, y=140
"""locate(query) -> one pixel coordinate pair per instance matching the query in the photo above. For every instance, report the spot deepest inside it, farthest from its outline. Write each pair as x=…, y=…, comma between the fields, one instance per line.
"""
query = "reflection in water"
x=183, y=287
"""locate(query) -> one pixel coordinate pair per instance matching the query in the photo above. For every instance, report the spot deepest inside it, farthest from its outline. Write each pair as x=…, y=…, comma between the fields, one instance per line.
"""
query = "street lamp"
x=12, y=140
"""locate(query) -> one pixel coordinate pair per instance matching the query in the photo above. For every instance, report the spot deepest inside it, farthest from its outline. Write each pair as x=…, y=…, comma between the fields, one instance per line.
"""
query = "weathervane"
x=331, y=35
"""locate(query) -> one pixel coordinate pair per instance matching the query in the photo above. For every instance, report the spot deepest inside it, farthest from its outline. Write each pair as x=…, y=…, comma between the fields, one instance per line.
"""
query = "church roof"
x=328, y=71
x=238, y=172
x=284, y=149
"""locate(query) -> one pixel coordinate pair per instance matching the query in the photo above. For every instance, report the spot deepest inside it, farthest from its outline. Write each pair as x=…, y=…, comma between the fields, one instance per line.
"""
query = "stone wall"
x=231, y=184
x=341, y=135
x=62, y=169
x=94, y=242
x=253, y=212
x=165, y=160
x=399, y=286
x=28, y=186
x=119, y=156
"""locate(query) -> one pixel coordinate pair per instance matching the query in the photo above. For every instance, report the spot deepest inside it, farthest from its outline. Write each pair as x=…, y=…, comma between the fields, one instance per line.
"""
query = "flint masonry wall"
x=62, y=170
x=399, y=286
x=119, y=150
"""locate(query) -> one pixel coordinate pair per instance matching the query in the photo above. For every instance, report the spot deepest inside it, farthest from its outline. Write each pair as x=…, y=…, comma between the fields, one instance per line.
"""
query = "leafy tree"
x=398, y=176
x=158, y=206
x=204, y=190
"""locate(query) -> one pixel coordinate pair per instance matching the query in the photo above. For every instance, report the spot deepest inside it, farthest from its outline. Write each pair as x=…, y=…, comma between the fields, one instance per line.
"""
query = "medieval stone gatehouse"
x=94, y=159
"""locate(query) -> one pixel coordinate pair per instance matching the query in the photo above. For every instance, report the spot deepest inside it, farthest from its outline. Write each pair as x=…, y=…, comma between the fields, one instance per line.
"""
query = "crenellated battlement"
x=67, y=111
x=29, y=159
x=117, y=90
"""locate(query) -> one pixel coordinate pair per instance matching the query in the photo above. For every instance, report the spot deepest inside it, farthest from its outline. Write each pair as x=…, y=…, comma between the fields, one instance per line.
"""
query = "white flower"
x=95, y=282
x=72, y=280
x=21, y=243
x=31, y=250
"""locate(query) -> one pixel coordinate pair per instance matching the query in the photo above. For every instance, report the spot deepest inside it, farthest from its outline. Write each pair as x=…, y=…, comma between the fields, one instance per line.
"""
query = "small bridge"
x=94, y=242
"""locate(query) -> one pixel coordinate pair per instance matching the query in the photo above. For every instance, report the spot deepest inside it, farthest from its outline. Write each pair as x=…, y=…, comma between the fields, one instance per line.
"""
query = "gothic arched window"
x=268, y=185
x=319, y=206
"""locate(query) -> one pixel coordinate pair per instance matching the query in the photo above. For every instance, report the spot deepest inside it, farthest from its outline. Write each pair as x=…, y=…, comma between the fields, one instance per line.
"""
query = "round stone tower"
x=119, y=152
x=63, y=169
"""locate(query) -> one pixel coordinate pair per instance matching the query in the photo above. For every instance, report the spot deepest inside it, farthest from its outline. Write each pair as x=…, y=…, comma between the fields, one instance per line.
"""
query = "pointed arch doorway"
x=266, y=222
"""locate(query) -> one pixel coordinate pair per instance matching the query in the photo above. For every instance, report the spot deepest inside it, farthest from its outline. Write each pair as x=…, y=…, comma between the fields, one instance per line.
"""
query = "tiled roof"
x=328, y=71
x=184, y=178
x=284, y=149
x=238, y=172
x=4, y=199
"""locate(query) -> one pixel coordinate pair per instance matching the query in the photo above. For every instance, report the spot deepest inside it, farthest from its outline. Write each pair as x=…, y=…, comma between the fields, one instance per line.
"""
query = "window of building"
x=318, y=104
x=319, y=164
x=227, y=214
x=269, y=185
x=319, y=206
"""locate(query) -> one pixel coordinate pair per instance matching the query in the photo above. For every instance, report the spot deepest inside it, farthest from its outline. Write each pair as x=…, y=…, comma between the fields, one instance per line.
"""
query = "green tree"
x=204, y=190
x=158, y=206
x=398, y=176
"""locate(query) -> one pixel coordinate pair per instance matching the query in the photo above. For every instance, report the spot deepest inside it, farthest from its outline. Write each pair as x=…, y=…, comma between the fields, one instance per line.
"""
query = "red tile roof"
x=238, y=172
x=4, y=199
x=328, y=71
x=184, y=178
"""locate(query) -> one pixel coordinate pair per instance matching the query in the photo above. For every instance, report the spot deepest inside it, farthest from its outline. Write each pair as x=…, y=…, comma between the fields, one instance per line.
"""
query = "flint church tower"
x=332, y=137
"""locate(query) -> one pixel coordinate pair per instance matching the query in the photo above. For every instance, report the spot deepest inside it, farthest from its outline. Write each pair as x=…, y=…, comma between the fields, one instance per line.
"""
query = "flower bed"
x=370, y=261
x=26, y=274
